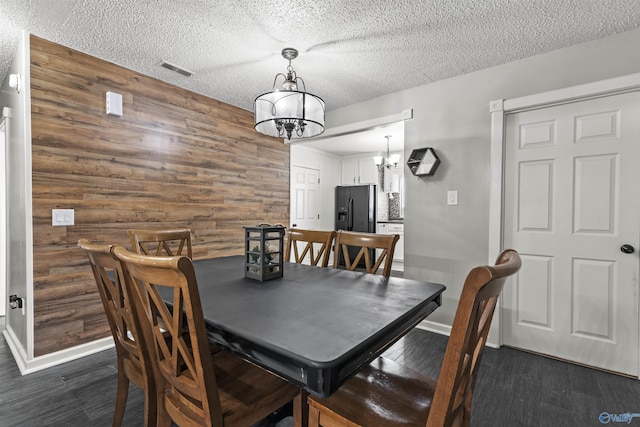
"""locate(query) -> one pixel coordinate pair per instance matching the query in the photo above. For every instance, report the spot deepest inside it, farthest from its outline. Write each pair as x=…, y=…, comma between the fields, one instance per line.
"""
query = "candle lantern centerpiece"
x=264, y=256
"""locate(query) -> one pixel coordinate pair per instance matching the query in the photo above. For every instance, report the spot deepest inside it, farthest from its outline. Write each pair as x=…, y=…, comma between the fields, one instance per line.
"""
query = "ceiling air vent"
x=172, y=67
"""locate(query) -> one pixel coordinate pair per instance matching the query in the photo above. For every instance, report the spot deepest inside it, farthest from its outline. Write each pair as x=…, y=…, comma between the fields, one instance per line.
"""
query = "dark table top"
x=315, y=326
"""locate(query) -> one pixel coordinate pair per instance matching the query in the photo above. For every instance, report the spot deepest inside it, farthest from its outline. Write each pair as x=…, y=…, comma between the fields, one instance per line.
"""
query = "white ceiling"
x=350, y=51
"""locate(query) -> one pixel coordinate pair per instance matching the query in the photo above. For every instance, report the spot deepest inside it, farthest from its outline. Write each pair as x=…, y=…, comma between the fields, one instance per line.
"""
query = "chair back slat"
x=454, y=391
x=365, y=241
x=311, y=239
x=168, y=242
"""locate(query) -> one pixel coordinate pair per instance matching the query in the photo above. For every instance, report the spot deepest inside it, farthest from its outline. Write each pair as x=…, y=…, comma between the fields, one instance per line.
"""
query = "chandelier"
x=387, y=162
x=289, y=112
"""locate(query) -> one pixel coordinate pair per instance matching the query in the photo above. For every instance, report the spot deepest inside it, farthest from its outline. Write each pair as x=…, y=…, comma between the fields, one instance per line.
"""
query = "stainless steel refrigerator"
x=356, y=211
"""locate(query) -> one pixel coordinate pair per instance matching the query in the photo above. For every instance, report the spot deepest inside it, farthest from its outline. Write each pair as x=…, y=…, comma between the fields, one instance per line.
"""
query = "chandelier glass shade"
x=288, y=111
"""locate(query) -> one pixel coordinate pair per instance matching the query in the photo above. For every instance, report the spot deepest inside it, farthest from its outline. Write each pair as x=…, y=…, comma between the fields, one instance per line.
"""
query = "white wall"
x=19, y=326
x=330, y=170
x=442, y=243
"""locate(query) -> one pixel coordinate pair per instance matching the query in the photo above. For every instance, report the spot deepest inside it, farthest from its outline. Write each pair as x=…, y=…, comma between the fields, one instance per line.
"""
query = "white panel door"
x=571, y=201
x=305, y=198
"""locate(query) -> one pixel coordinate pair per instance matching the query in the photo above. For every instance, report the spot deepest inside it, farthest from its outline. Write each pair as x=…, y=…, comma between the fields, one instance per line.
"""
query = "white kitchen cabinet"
x=349, y=172
x=394, y=228
x=393, y=178
x=359, y=171
x=368, y=171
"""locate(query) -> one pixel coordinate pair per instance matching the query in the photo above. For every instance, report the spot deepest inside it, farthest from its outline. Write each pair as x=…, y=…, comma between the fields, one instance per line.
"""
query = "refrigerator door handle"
x=350, y=215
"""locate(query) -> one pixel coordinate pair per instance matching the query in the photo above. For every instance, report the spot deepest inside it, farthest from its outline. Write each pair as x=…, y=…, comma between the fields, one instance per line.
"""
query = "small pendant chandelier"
x=289, y=112
x=387, y=162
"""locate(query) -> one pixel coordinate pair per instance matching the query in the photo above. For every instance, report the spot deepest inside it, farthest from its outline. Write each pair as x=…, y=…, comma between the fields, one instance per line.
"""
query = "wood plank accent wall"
x=175, y=159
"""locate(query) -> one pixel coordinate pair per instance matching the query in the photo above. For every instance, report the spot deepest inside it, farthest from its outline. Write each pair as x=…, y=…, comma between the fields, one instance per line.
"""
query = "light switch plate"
x=452, y=198
x=62, y=217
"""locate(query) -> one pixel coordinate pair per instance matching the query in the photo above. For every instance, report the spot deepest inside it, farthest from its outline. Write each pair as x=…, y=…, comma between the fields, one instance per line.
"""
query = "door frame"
x=499, y=110
x=3, y=218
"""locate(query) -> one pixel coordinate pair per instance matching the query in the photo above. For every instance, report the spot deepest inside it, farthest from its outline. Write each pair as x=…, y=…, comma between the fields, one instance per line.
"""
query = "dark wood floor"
x=514, y=388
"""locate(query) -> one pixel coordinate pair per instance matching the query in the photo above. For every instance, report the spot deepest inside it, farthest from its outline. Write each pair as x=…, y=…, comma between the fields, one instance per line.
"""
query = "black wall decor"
x=423, y=161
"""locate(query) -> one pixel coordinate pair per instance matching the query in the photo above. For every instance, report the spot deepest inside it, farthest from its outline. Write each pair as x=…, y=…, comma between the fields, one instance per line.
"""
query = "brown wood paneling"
x=174, y=159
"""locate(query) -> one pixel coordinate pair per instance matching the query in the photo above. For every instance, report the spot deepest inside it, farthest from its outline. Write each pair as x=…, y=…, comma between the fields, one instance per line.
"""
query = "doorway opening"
x=347, y=158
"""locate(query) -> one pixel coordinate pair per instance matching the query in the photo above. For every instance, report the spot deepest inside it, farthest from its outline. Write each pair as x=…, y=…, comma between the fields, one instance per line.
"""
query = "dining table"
x=314, y=326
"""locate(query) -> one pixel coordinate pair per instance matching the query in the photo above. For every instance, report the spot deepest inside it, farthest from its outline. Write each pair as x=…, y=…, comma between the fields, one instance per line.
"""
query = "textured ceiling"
x=350, y=51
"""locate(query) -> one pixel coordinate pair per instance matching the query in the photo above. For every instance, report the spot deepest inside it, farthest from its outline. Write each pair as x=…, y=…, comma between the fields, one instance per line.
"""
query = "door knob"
x=627, y=249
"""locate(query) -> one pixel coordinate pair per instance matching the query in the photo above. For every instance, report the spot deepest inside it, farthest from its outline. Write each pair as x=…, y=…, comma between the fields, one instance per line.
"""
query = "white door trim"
x=499, y=109
x=3, y=223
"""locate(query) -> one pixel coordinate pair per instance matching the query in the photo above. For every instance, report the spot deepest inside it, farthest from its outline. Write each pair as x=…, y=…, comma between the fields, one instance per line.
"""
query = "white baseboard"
x=438, y=328
x=442, y=329
x=27, y=366
x=16, y=349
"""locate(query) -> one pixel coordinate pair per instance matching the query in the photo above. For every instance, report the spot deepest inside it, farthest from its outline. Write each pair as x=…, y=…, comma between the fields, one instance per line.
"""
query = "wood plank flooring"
x=514, y=388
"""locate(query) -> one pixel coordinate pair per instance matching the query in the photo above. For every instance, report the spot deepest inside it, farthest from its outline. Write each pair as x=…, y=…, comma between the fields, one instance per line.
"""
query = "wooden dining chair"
x=366, y=242
x=194, y=388
x=298, y=237
x=386, y=393
x=161, y=242
x=133, y=364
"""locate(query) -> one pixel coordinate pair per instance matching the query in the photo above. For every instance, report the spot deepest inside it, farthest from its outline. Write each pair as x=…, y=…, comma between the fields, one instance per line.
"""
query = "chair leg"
x=121, y=397
x=301, y=409
x=162, y=416
x=150, y=408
